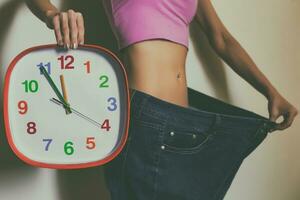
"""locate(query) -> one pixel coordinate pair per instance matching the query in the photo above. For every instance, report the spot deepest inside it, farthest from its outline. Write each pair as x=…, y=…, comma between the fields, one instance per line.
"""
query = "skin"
x=146, y=67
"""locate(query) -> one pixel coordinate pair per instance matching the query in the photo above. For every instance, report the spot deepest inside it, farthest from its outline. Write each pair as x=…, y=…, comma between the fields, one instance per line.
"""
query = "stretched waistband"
x=206, y=110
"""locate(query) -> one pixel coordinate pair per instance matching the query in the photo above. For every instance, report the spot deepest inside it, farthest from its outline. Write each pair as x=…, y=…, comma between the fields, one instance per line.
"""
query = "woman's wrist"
x=271, y=93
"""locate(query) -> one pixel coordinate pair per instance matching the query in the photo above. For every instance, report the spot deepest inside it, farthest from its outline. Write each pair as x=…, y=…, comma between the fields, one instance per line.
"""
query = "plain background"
x=269, y=30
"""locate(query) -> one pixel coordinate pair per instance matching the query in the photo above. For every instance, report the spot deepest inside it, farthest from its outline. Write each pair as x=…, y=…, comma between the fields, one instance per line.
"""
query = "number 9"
x=22, y=105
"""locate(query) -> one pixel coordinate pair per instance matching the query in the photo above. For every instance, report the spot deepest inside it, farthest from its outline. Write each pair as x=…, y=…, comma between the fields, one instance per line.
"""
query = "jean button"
x=172, y=133
x=162, y=147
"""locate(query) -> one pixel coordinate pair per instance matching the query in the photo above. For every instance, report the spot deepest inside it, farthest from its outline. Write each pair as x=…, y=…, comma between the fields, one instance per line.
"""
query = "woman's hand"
x=68, y=27
x=229, y=49
x=278, y=106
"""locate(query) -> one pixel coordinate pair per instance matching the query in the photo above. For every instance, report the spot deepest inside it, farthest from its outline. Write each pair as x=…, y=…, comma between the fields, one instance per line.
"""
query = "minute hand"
x=77, y=113
x=54, y=87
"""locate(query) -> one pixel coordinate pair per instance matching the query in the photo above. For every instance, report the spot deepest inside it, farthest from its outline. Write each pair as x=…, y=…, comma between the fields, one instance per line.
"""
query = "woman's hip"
x=209, y=128
x=185, y=153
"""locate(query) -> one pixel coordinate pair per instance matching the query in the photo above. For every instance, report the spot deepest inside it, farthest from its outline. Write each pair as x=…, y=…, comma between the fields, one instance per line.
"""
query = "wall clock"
x=66, y=109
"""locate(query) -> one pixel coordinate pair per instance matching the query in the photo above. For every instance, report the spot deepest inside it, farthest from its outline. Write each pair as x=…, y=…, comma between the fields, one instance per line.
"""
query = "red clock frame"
x=60, y=166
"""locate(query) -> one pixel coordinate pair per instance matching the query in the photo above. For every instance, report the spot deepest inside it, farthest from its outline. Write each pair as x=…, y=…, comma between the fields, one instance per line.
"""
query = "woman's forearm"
x=40, y=8
x=239, y=60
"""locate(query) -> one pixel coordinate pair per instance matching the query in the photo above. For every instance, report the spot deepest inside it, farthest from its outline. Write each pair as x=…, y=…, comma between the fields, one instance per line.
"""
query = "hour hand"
x=64, y=90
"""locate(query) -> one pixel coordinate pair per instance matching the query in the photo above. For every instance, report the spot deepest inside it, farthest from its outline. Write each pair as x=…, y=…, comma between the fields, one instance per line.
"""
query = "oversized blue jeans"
x=183, y=153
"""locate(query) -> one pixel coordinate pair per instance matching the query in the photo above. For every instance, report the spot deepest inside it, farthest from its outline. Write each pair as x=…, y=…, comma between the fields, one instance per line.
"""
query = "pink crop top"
x=137, y=20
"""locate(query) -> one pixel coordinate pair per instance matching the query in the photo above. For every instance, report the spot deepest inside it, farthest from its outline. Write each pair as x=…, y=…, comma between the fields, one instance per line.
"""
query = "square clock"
x=66, y=109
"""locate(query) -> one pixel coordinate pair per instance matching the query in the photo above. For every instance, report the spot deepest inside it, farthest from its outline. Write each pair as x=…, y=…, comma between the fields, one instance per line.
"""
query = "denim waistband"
x=146, y=103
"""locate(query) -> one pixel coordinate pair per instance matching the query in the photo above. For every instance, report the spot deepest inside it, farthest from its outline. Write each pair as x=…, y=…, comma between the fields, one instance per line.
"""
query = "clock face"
x=66, y=108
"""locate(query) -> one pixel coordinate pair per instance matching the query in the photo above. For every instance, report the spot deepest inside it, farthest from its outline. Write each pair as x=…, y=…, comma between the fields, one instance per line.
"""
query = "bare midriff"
x=157, y=67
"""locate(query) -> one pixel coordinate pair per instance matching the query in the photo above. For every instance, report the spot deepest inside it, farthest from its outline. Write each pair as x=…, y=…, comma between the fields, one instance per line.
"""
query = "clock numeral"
x=22, y=105
x=69, y=61
x=68, y=147
x=48, y=65
x=105, y=80
x=88, y=66
x=105, y=125
x=31, y=86
x=48, y=141
x=90, y=143
x=31, y=128
x=113, y=103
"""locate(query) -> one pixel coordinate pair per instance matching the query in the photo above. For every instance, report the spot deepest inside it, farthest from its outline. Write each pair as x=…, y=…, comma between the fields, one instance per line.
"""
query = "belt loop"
x=217, y=122
x=218, y=119
x=140, y=102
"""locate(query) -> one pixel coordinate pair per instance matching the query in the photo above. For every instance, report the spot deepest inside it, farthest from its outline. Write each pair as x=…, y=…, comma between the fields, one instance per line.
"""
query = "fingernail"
x=75, y=46
x=68, y=46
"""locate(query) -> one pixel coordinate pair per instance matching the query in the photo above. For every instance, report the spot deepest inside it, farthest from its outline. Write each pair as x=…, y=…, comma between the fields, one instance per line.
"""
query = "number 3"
x=112, y=103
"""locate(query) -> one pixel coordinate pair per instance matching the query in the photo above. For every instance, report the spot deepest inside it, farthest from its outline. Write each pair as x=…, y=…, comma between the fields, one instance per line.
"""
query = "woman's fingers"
x=68, y=27
x=57, y=30
x=288, y=120
x=73, y=28
x=52, y=20
x=278, y=106
x=80, y=26
x=64, y=25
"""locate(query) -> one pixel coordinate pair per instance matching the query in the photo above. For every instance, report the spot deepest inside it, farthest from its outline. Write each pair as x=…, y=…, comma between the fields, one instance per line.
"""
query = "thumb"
x=273, y=115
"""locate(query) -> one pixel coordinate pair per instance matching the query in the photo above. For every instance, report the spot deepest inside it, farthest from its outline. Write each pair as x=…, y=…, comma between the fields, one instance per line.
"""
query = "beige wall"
x=268, y=30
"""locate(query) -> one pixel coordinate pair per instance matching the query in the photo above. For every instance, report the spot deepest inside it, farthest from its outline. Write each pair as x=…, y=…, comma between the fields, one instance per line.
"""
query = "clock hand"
x=64, y=90
x=57, y=102
x=53, y=86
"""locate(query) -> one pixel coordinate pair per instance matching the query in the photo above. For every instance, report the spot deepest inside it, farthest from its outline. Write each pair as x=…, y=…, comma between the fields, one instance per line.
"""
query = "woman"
x=174, y=151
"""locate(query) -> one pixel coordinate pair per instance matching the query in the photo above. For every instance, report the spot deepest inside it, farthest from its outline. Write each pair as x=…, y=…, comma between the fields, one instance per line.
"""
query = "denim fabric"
x=183, y=153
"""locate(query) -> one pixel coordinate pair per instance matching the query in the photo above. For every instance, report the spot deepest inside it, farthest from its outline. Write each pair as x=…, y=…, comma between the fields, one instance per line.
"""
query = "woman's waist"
x=158, y=51
x=150, y=67
x=156, y=72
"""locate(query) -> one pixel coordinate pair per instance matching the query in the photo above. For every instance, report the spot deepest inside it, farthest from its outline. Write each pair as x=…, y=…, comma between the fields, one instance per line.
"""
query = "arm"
x=68, y=26
x=226, y=46
x=41, y=8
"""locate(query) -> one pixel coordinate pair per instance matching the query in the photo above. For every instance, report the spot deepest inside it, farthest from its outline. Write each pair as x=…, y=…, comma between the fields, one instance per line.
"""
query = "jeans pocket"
x=183, y=140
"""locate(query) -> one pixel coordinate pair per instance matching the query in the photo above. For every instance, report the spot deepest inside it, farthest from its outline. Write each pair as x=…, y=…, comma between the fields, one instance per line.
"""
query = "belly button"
x=178, y=75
